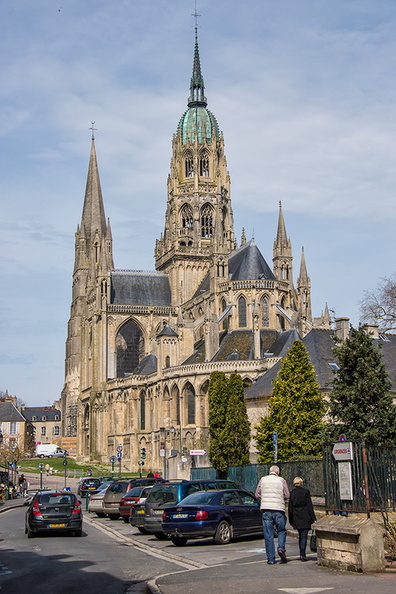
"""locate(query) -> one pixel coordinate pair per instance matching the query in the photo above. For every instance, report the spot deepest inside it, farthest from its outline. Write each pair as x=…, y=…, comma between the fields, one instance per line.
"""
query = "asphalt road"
x=63, y=564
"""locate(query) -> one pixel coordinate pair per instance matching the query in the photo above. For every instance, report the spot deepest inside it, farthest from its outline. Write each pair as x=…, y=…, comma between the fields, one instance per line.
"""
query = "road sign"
x=141, y=463
x=274, y=438
x=41, y=465
x=342, y=437
x=64, y=462
x=112, y=459
x=343, y=451
x=119, y=448
x=119, y=455
x=197, y=452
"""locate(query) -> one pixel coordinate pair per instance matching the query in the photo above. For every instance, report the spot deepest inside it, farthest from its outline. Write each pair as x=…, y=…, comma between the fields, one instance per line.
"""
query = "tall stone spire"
x=304, y=290
x=282, y=252
x=93, y=216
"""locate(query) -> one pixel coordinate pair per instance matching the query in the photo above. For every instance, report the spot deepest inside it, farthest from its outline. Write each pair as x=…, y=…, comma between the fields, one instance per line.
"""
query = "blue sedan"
x=222, y=515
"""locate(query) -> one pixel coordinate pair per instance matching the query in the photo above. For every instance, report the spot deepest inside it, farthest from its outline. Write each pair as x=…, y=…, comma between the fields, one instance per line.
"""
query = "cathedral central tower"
x=199, y=227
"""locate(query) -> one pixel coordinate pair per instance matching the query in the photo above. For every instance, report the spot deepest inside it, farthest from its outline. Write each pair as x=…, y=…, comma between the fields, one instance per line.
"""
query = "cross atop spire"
x=93, y=130
x=196, y=15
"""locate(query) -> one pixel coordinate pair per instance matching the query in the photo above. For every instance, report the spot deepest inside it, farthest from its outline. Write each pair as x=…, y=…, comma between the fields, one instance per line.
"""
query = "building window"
x=130, y=348
x=34, y=418
x=190, y=392
x=204, y=164
x=167, y=361
x=43, y=431
x=56, y=430
x=56, y=418
x=189, y=165
x=264, y=312
x=242, y=312
x=44, y=418
x=187, y=217
x=13, y=428
x=206, y=221
x=143, y=411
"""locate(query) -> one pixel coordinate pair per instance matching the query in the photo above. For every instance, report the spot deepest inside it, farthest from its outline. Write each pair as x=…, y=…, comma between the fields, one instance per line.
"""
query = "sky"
x=305, y=93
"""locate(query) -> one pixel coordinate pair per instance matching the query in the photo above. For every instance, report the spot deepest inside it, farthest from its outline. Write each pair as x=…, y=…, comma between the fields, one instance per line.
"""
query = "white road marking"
x=303, y=590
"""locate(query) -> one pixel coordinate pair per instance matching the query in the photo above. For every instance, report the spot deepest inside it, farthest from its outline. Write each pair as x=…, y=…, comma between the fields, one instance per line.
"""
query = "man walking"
x=274, y=493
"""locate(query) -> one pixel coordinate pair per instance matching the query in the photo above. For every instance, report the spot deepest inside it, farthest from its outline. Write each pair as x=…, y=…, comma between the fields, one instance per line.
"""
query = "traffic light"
x=143, y=453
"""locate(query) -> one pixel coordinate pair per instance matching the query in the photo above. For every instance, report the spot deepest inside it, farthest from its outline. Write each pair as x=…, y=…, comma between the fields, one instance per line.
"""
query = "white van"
x=49, y=450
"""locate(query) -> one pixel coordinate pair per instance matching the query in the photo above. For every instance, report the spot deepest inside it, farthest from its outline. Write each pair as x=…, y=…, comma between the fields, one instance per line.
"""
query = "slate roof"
x=387, y=345
x=167, y=331
x=247, y=263
x=140, y=288
x=41, y=411
x=8, y=412
x=147, y=365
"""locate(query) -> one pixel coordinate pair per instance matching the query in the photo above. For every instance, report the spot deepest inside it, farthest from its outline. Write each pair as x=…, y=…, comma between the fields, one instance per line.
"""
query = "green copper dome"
x=197, y=123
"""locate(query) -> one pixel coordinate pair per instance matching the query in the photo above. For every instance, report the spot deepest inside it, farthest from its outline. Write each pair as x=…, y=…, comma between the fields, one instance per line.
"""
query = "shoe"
x=282, y=555
x=303, y=558
x=271, y=562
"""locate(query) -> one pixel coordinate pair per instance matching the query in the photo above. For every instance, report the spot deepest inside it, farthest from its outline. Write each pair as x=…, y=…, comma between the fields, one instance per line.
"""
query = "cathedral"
x=140, y=345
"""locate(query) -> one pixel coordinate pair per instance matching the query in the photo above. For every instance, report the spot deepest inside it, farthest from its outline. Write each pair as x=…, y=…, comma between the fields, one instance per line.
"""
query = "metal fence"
x=248, y=476
x=373, y=479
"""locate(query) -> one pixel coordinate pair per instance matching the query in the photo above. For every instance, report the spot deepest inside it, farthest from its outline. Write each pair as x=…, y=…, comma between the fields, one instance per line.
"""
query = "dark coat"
x=301, y=512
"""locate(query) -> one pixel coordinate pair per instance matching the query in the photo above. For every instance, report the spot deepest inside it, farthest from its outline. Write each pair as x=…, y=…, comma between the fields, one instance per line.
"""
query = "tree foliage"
x=360, y=403
x=296, y=410
x=379, y=306
x=229, y=427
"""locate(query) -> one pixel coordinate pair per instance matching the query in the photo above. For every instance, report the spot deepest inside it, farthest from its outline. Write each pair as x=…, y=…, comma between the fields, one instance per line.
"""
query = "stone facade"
x=141, y=345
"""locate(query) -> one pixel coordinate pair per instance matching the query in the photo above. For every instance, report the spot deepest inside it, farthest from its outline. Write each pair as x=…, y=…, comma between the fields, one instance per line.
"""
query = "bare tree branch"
x=379, y=306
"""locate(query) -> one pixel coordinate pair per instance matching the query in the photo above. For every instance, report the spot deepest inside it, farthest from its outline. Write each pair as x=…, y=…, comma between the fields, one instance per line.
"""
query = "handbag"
x=312, y=543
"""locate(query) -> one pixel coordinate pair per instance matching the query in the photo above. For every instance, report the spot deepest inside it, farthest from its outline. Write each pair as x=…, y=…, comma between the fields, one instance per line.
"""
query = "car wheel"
x=160, y=535
x=78, y=532
x=114, y=516
x=142, y=530
x=179, y=541
x=30, y=533
x=223, y=533
x=126, y=519
x=100, y=514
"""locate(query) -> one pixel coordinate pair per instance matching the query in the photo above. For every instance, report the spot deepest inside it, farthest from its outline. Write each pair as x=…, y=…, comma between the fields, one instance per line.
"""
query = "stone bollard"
x=353, y=543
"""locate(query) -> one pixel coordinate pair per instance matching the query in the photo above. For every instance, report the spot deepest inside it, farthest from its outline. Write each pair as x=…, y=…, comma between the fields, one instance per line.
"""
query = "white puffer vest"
x=272, y=495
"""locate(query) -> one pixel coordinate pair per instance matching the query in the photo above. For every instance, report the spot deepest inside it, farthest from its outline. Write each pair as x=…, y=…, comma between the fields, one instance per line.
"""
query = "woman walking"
x=301, y=513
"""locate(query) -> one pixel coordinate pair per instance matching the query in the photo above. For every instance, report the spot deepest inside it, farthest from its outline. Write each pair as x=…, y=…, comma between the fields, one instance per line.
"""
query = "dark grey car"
x=54, y=511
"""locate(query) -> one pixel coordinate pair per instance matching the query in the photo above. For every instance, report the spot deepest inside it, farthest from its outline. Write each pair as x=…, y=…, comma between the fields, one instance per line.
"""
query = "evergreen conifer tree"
x=296, y=410
x=218, y=402
x=237, y=425
x=360, y=403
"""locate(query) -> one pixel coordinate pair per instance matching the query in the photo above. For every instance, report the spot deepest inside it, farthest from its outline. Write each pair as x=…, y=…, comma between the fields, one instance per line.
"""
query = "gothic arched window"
x=264, y=311
x=242, y=312
x=204, y=164
x=188, y=164
x=129, y=348
x=206, y=221
x=190, y=395
x=186, y=217
x=143, y=411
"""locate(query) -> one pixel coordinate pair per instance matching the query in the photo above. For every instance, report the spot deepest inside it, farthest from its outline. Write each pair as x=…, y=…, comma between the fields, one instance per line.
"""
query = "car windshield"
x=91, y=482
x=55, y=498
x=199, y=498
x=135, y=492
x=104, y=486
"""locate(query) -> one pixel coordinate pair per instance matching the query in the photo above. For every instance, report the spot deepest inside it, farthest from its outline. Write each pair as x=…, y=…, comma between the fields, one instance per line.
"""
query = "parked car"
x=136, y=517
x=88, y=485
x=171, y=493
x=221, y=514
x=117, y=490
x=53, y=510
x=131, y=498
x=95, y=502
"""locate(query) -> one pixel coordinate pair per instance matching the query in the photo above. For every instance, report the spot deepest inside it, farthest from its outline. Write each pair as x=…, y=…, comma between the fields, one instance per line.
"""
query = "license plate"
x=140, y=511
x=180, y=516
x=157, y=512
x=56, y=525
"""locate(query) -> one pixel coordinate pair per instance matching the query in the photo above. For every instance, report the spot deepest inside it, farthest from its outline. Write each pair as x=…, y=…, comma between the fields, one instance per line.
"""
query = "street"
x=57, y=564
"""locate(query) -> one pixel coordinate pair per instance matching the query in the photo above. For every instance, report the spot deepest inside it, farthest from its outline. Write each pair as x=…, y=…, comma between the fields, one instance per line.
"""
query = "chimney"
x=371, y=330
x=342, y=328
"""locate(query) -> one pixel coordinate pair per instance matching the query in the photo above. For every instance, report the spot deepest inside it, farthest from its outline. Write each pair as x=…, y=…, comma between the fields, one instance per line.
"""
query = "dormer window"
x=44, y=418
x=34, y=418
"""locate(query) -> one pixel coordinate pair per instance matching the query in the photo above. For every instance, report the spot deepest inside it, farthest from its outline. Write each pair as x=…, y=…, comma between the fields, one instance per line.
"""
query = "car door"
x=236, y=511
x=253, y=512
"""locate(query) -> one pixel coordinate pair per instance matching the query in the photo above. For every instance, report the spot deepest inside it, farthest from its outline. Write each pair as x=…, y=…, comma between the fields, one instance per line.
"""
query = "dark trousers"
x=302, y=540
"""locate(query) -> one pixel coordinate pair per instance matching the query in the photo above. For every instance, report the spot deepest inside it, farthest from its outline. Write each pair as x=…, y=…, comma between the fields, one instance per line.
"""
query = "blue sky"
x=305, y=93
